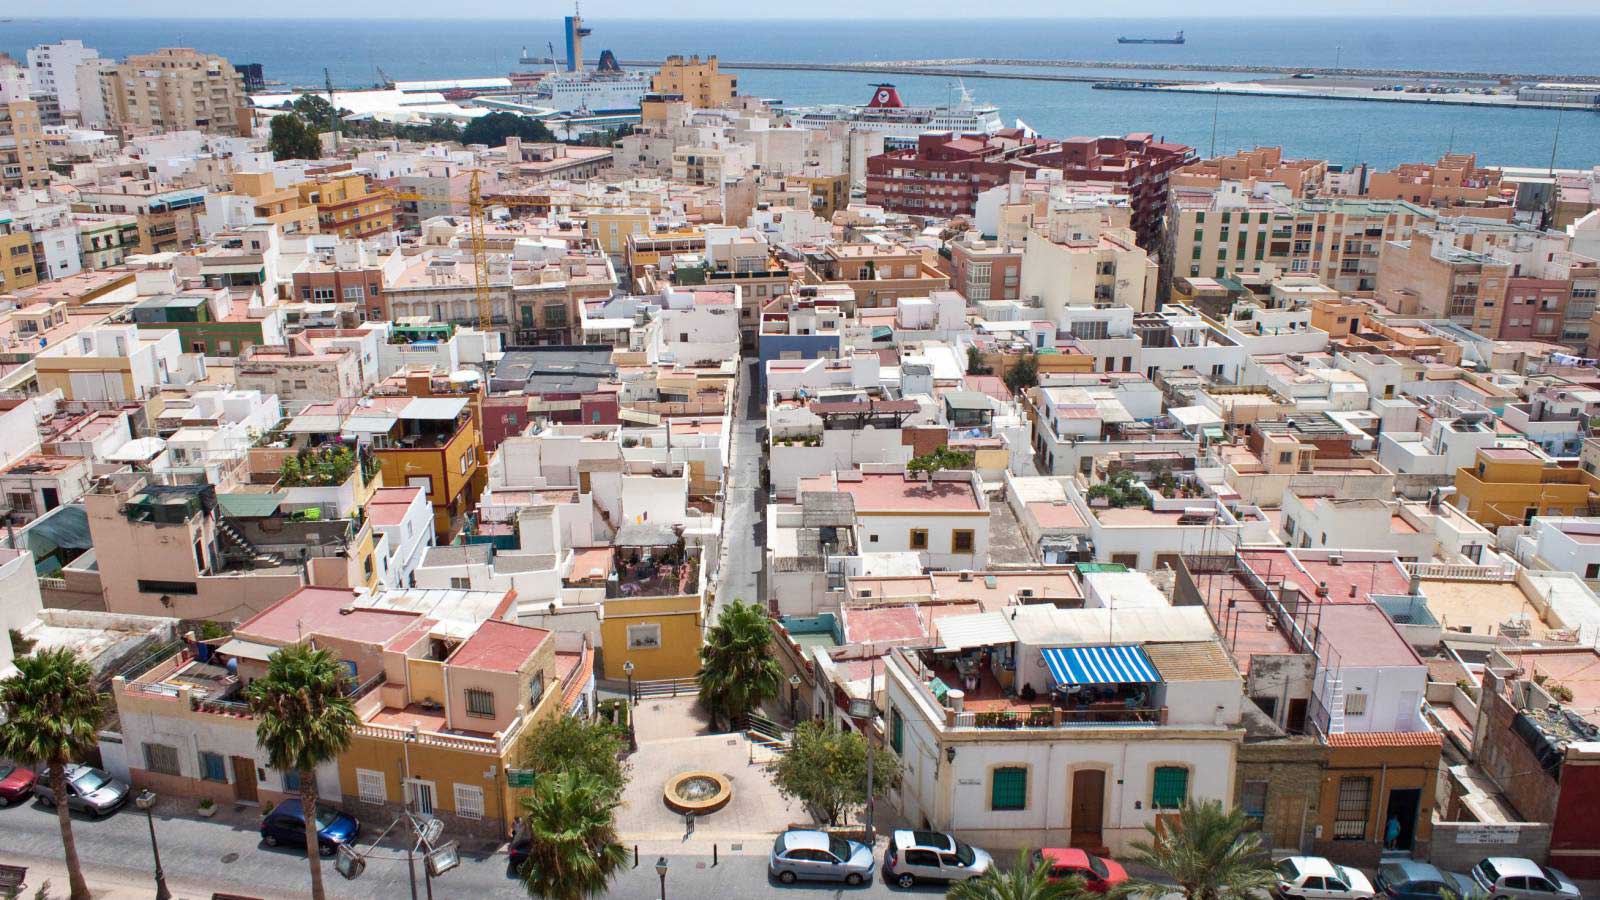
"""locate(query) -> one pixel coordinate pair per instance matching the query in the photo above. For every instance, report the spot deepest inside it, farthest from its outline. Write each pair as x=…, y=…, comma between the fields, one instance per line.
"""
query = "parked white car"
x=1512, y=878
x=1315, y=878
x=915, y=856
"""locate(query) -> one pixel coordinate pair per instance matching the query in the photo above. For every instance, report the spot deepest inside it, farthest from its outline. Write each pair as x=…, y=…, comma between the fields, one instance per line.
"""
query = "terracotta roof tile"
x=1380, y=739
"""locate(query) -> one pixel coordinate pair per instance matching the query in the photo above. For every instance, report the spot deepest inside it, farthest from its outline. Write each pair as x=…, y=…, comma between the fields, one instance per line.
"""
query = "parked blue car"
x=286, y=825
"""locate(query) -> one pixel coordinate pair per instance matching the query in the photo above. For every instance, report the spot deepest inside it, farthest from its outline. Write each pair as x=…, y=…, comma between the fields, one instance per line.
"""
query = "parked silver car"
x=1513, y=878
x=89, y=790
x=915, y=856
x=819, y=856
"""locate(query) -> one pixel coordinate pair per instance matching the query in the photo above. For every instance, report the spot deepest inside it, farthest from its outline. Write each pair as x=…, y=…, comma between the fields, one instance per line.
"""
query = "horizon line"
x=1378, y=14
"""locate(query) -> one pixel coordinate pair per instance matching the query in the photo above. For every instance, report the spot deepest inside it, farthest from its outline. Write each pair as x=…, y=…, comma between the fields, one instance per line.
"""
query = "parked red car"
x=1098, y=873
x=15, y=783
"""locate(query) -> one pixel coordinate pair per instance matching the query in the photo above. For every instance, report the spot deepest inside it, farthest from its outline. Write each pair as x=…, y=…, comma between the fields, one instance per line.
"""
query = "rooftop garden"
x=321, y=467
x=1121, y=491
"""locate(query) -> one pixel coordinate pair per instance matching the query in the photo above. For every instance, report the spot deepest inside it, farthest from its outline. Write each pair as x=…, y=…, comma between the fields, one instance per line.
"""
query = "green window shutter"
x=1009, y=789
x=1171, y=787
x=897, y=730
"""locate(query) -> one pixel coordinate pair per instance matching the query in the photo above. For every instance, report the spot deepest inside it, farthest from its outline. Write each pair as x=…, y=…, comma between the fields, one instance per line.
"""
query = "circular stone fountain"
x=697, y=792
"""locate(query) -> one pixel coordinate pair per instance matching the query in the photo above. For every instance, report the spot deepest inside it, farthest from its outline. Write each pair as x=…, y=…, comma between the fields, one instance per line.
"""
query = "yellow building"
x=610, y=228
x=16, y=259
x=700, y=83
x=273, y=205
x=655, y=605
x=659, y=635
x=24, y=162
x=1511, y=485
x=647, y=248
x=347, y=206
x=176, y=89
x=444, y=702
x=435, y=444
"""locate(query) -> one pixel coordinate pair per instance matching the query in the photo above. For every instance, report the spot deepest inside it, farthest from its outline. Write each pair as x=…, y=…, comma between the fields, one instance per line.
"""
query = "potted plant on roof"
x=207, y=808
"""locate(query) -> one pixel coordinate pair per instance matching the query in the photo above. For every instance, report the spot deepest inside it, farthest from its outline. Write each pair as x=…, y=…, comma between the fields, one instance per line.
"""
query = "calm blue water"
x=1377, y=133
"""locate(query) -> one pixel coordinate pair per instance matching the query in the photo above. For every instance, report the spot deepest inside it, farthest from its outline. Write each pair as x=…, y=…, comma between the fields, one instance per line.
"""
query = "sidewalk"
x=105, y=884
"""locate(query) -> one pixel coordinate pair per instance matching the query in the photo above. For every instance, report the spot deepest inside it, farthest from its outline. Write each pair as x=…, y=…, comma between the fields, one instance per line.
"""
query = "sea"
x=296, y=52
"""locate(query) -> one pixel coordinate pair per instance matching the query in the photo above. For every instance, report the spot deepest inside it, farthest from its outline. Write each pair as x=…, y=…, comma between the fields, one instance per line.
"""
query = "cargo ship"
x=1137, y=40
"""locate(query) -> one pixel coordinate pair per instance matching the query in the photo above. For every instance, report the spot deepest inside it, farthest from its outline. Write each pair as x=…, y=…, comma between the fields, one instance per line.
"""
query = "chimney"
x=1322, y=590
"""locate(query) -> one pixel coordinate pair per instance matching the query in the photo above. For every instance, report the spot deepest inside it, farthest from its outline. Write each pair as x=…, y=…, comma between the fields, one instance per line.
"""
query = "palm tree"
x=51, y=714
x=1029, y=879
x=1211, y=854
x=304, y=718
x=737, y=668
x=572, y=837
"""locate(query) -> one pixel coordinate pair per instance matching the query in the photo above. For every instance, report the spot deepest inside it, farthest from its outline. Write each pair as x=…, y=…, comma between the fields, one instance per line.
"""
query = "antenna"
x=1215, y=108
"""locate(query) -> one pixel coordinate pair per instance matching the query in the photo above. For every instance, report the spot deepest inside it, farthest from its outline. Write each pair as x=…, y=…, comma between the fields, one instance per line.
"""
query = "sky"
x=812, y=9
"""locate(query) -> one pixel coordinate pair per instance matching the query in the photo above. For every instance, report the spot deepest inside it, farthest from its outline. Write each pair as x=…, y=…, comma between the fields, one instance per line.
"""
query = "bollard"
x=636, y=856
x=713, y=856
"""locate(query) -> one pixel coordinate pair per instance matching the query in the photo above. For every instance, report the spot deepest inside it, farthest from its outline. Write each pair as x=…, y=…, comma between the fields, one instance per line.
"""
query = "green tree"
x=569, y=744
x=291, y=139
x=51, y=715
x=1211, y=854
x=975, y=362
x=304, y=718
x=493, y=129
x=572, y=837
x=737, y=669
x=317, y=113
x=941, y=458
x=1121, y=490
x=1024, y=374
x=826, y=769
x=1028, y=879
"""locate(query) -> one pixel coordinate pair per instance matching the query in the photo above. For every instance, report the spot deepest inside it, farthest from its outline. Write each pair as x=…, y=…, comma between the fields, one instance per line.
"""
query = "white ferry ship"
x=901, y=124
x=596, y=92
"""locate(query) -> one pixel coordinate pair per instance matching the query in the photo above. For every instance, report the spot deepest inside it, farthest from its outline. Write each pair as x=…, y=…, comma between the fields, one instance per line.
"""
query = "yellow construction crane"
x=480, y=257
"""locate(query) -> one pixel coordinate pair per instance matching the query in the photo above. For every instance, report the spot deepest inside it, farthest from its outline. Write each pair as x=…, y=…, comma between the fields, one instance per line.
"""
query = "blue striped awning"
x=1100, y=664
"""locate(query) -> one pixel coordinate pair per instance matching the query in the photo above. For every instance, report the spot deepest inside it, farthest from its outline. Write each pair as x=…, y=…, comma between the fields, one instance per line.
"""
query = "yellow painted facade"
x=55, y=372
x=677, y=652
x=453, y=473
x=610, y=228
x=1509, y=487
x=347, y=206
x=700, y=82
x=16, y=261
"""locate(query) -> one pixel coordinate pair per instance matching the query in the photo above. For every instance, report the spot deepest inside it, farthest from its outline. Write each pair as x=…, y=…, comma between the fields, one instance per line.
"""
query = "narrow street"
x=744, y=530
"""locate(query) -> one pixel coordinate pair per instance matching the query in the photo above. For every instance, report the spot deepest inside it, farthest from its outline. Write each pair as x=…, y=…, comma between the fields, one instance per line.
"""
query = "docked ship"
x=899, y=124
x=1137, y=40
x=573, y=89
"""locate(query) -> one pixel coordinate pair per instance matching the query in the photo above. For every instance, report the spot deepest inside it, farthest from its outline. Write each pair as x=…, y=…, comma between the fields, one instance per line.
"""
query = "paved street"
x=744, y=532
x=225, y=854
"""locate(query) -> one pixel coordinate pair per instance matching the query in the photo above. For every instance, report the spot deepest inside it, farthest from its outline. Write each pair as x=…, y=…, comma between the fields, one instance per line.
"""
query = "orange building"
x=347, y=205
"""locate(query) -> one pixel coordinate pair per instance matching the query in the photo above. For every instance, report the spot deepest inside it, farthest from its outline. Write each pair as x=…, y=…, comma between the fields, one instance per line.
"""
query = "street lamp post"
x=794, y=698
x=147, y=802
x=661, y=870
x=627, y=669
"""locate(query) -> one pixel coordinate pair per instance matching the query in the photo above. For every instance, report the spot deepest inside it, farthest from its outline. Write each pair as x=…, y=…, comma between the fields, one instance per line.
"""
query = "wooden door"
x=244, y=780
x=1288, y=818
x=1088, y=807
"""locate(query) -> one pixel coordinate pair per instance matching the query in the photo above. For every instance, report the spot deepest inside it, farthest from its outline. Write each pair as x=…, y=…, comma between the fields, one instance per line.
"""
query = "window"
x=1591, y=571
x=161, y=759
x=1171, y=787
x=355, y=292
x=1253, y=801
x=644, y=637
x=212, y=767
x=147, y=586
x=469, y=801
x=480, y=703
x=370, y=786
x=1350, y=816
x=535, y=689
x=919, y=538
x=1008, y=788
x=1355, y=704
x=897, y=730
x=291, y=782
x=962, y=540
x=459, y=583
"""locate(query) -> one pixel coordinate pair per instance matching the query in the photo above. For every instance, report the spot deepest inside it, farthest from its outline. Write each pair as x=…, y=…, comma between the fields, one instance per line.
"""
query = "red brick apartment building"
x=945, y=173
